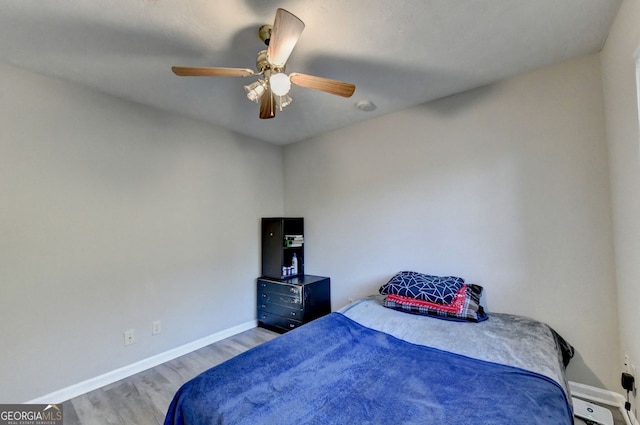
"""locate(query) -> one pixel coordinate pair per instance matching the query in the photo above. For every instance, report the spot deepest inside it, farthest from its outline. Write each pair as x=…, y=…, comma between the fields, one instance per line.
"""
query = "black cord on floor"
x=627, y=407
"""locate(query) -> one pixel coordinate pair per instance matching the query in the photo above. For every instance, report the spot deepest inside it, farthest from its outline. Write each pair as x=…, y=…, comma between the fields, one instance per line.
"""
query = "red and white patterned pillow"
x=465, y=306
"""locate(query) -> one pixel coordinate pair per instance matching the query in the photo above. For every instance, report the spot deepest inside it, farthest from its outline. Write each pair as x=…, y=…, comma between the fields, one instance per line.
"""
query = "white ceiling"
x=398, y=53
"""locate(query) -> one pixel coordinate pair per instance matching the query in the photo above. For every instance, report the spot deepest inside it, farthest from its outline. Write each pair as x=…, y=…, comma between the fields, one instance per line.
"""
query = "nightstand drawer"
x=278, y=321
x=279, y=288
x=279, y=299
x=291, y=313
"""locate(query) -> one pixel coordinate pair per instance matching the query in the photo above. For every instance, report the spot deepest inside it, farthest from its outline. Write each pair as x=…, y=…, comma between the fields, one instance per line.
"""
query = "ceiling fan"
x=272, y=89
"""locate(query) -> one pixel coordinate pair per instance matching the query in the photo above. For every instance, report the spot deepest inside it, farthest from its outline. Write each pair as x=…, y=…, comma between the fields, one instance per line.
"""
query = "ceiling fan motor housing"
x=263, y=65
x=264, y=32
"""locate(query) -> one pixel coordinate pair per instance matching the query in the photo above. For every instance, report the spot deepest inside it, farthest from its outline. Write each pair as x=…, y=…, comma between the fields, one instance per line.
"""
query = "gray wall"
x=619, y=64
x=507, y=186
x=113, y=215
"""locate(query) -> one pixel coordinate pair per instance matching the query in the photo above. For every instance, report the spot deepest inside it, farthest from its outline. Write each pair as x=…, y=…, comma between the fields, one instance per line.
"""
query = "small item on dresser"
x=294, y=264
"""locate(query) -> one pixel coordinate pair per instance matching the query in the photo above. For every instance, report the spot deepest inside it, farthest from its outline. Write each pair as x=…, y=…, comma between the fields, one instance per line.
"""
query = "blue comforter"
x=336, y=371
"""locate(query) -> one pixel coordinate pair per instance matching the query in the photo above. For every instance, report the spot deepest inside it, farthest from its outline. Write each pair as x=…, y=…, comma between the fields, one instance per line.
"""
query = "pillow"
x=455, y=307
x=471, y=310
x=435, y=289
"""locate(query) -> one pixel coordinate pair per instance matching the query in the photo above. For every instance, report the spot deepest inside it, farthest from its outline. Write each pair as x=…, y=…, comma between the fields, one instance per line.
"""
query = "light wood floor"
x=143, y=399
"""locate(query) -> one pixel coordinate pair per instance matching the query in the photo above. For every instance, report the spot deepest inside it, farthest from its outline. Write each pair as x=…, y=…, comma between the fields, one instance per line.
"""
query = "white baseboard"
x=91, y=384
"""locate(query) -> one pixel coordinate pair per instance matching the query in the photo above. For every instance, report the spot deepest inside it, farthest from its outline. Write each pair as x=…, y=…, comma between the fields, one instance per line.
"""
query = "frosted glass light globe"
x=280, y=84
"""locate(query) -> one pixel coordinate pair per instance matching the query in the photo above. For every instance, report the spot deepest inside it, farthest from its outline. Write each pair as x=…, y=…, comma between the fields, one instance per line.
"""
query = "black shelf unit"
x=275, y=255
x=285, y=301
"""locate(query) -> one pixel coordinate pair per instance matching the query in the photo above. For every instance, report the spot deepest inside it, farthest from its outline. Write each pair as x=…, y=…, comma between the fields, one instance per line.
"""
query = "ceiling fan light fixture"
x=255, y=90
x=280, y=83
x=283, y=101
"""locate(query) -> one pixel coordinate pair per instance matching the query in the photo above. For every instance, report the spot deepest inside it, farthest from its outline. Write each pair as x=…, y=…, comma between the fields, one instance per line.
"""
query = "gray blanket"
x=504, y=338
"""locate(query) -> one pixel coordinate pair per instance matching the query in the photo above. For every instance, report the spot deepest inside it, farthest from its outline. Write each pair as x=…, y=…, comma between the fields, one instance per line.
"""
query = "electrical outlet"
x=626, y=368
x=156, y=327
x=129, y=337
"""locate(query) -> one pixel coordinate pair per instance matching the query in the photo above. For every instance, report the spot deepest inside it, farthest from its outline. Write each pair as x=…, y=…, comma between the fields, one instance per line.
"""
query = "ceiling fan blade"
x=191, y=71
x=326, y=85
x=287, y=28
x=267, y=105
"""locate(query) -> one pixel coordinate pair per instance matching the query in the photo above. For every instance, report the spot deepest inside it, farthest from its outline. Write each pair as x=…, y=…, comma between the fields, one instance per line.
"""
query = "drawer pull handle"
x=264, y=295
x=293, y=313
x=291, y=325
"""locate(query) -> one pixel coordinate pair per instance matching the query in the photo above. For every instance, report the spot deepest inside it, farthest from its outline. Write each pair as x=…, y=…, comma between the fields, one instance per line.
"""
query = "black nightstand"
x=285, y=304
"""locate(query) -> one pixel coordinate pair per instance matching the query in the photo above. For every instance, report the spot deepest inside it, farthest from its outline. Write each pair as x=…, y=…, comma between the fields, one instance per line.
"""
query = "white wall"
x=621, y=105
x=113, y=215
x=507, y=186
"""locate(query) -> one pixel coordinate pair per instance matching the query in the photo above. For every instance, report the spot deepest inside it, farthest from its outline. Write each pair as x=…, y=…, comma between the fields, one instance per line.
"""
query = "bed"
x=368, y=364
